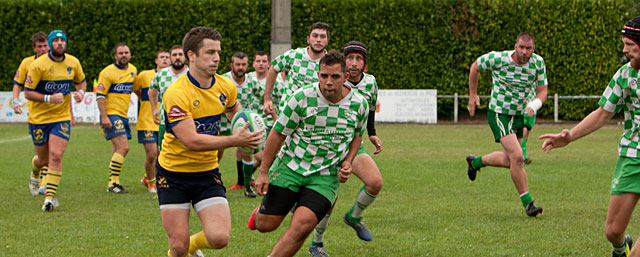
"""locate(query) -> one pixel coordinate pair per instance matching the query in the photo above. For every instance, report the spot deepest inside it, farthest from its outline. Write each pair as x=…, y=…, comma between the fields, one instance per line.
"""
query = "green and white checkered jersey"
x=318, y=131
x=623, y=93
x=161, y=82
x=276, y=95
x=368, y=87
x=245, y=97
x=302, y=69
x=511, y=81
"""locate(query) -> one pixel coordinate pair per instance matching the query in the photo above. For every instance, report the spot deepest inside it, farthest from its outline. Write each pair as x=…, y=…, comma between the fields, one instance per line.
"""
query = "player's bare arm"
x=79, y=94
x=345, y=170
x=105, y=122
x=268, y=90
x=153, y=99
x=474, y=100
x=271, y=148
x=16, y=102
x=541, y=97
x=589, y=124
x=56, y=98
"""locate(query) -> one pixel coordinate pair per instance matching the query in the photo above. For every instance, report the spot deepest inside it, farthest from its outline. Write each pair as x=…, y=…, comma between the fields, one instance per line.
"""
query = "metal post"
x=280, y=27
x=555, y=107
x=455, y=108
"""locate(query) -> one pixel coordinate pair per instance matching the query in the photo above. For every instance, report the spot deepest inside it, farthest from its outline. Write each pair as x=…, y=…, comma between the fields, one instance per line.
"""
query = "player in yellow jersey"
x=113, y=94
x=187, y=169
x=48, y=87
x=146, y=127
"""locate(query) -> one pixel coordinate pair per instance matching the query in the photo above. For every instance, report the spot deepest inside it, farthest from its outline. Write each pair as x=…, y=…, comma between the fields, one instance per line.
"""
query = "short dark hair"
x=174, y=47
x=319, y=25
x=192, y=41
x=163, y=50
x=38, y=37
x=239, y=55
x=260, y=53
x=525, y=36
x=332, y=57
x=121, y=44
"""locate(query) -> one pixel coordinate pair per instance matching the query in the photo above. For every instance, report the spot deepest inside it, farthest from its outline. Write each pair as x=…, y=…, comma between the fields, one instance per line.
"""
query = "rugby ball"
x=256, y=123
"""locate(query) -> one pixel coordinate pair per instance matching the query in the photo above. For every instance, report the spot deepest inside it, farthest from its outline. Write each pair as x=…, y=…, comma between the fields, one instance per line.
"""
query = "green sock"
x=477, y=162
x=524, y=148
x=526, y=199
x=247, y=169
x=619, y=250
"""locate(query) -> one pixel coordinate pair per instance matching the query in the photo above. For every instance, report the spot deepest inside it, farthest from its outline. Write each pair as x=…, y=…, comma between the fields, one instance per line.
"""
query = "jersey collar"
x=195, y=82
x=51, y=57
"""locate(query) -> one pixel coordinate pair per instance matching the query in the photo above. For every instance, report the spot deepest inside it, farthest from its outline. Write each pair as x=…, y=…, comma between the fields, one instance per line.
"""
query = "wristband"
x=46, y=98
x=81, y=91
x=535, y=105
x=16, y=101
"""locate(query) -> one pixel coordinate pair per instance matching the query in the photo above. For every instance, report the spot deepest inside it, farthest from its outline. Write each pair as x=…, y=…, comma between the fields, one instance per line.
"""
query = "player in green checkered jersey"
x=261, y=66
x=620, y=94
x=513, y=74
x=245, y=86
x=321, y=127
x=364, y=167
x=161, y=82
x=302, y=64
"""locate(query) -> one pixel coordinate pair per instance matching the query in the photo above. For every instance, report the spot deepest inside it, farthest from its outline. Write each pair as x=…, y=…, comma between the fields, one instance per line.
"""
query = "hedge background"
x=425, y=44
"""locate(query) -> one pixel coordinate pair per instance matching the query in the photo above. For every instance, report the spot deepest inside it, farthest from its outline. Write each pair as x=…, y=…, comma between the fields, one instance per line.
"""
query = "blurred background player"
x=364, y=167
x=188, y=165
x=302, y=64
x=245, y=86
x=40, y=47
x=523, y=69
x=146, y=127
x=113, y=95
x=48, y=87
x=528, y=125
x=307, y=171
x=161, y=82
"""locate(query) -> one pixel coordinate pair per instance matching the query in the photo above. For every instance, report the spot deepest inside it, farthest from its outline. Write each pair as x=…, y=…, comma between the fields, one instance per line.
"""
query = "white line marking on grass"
x=14, y=139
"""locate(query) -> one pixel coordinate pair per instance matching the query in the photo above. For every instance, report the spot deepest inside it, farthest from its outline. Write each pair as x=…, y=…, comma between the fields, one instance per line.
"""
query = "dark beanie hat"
x=355, y=47
x=631, y=30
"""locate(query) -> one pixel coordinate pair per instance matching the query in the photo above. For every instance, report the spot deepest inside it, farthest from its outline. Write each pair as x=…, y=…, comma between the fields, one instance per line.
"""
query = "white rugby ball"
x=256, y=123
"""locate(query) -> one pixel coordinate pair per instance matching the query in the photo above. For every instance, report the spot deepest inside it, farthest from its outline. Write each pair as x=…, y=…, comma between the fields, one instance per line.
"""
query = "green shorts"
x=529, y=121
x=503, y=124
x=362, y=150
x=282, y=176
x=626, y=176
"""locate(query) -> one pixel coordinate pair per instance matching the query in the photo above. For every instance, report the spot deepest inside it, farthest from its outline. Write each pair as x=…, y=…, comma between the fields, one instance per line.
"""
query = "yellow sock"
x=198, y=241
x=53, y=180
x=151, y=181
x=43, y=175
x=114, y=168
x=169, y=253
x=35, y=170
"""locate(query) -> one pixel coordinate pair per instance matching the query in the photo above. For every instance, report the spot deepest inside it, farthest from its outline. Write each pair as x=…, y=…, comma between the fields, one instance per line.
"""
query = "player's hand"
x=56, y=98
x=245, y=138
x=78, y=96
x=17, y=108
x=474, y=101
x=274, y=116
x=105, y=122
x=377, y=143
x=529, y=112
x=262, y=183
x=344, y=172
x=73, y=121
x=156, y=116
x=268, y=107
x=555, y=140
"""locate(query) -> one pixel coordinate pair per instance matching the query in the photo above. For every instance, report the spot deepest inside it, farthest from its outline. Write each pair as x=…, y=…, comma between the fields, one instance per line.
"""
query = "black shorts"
x=179, y=190
x=280, y=200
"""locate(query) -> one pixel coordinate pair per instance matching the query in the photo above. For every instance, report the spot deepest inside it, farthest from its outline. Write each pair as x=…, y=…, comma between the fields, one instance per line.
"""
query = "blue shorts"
x=40, y=132
x=119, y=126
x=179, y=190
x=147, y=136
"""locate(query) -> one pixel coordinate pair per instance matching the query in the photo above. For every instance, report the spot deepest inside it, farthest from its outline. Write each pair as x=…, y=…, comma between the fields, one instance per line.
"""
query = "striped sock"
x=619, y=250
x=363, y=200
x=198, y=241
x=318, y=232
x=53, y=180
x=43, y=175
x=526, y=199
x=114, y=168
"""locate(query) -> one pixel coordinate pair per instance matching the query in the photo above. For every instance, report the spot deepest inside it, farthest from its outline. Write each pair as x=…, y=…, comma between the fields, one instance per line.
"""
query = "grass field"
x=427, y=207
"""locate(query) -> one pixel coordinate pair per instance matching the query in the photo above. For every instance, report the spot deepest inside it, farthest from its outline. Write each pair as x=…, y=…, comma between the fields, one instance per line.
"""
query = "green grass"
x=427, y=207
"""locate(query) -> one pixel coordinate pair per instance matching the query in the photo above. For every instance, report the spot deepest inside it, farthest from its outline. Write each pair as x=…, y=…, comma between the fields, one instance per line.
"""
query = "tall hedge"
x=412, y=44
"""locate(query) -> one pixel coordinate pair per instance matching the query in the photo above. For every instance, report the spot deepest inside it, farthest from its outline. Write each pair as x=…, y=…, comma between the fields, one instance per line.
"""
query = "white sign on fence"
x=418, y=105
x=84, y=112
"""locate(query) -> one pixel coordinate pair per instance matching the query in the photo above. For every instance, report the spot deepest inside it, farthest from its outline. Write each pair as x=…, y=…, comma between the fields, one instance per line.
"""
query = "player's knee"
x=55, y=156
x=179, y=247
x=612, y=233
x=218, y=240
x=152, y=154
x=374, y=187
x=517, y=159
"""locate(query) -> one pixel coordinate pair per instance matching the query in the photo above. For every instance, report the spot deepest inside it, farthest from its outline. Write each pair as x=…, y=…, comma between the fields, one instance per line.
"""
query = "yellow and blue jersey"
x=145, y=117
x=184, y=99
x=21, y=73
x=47, y=76
x=115, y=84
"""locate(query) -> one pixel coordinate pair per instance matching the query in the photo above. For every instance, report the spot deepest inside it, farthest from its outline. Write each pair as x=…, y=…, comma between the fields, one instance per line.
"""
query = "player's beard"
x=57, y=52
x=316, y=51
x=177, y=65
x=239, y=73
x=123, y=62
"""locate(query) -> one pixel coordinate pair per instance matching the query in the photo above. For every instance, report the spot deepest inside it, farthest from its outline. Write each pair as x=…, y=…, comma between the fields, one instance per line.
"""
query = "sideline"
x=14, y=139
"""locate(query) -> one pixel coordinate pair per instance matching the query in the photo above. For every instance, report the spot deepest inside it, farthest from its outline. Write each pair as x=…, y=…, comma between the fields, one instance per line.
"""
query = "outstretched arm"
x=589, y=124
x=474, y=100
